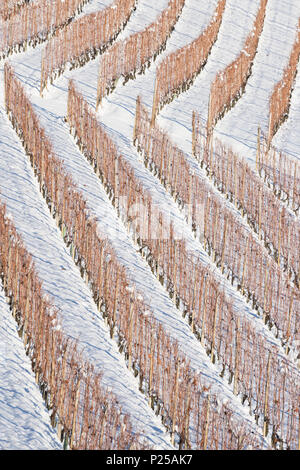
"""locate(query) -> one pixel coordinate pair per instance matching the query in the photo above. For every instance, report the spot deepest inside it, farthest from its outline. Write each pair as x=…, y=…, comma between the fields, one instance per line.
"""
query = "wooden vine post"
x=194, y=300
x=209, y=118
x=130, y=333
x=26, y=319
x=202, y=340
x=98, y=99
x=175, y=403
x=175, y=254
x=224, y=245
x=235, y=182
x=206, y=424
x=137, y=116
x=269, y=132
x=211, y=152
x=190, y=194
x=116, y=297
x=53, y=367
x=237, y=357
x=194, y=133
x=206, y=216
x=265, y=427
x=295, y=184
x=214, y=332
x=38, y=356
x=103, y=427
x=279, y=236
x=151, y=369
x=245, y=265
x=214, y=235
x=260, y=194
x=288, y=330
x=267, y=278
x=6, y=278
x=187, y=417
x=42, y=86
x=242, y=201
x=154, y=105
x=75, y=413
x=61, y=392
x=16, y=289
x=100, y=276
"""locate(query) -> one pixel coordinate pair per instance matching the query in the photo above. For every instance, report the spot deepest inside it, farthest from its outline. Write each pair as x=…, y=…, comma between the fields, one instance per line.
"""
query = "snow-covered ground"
x=19, y=190
x=24, y=418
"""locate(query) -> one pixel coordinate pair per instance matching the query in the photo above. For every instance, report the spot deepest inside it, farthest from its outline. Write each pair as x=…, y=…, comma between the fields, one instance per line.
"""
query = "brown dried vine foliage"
x=11, y=7
x=281, y=95
x=177, y=72
x=35, y=22
x=281, y=172
x=269, y=218
x=85, y=414
x=229, y=84
x=212, y=315
x=126, y=58
x=165, y=376
x=84, y=38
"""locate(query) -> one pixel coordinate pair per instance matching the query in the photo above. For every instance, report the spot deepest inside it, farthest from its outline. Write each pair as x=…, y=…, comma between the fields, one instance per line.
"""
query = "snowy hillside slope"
x=24, y=419
x=18, y=187
x=56, y=272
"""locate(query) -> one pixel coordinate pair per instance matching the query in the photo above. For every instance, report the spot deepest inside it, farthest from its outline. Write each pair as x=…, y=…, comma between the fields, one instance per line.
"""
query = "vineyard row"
x=134, y=54
x=229, y=84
